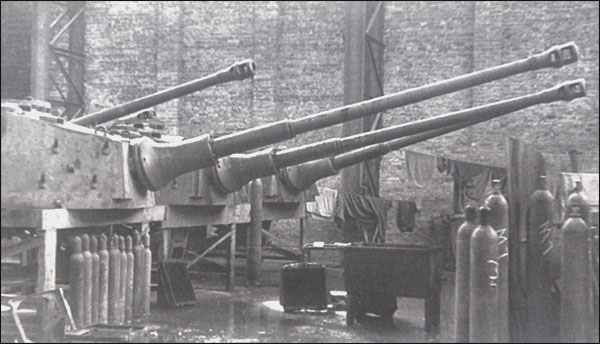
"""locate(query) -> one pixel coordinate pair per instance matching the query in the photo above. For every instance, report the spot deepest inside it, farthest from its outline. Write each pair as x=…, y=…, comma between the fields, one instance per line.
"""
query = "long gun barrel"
x=556, y=56
x=238, y=71
x=300, y=177
x=155, y=164
x=235, y=171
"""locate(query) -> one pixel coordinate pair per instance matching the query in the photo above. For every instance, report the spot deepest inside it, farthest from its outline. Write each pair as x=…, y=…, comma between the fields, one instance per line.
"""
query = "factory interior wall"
x=134, y=48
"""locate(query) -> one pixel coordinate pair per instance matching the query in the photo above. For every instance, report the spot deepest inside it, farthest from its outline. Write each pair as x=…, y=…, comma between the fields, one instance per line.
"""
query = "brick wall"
x=16, y=48
x=137, y=48
x=297, y=47
x=429, y=41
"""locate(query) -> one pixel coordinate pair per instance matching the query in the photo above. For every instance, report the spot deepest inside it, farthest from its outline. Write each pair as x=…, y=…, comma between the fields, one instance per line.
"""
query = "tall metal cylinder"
x=129, y=289
x=76, y=278
x=542, y=309
x=123, y=280
x=147, y=274
x=102, y=280
x=87, y=280
x=483, y=287
x=95, y=278
x=138, y=275
x=499, y=222
x=254, y=256
x=463, y=263
x=576, y=311
x=580, y=199
x=456, y=220
x=114, y=281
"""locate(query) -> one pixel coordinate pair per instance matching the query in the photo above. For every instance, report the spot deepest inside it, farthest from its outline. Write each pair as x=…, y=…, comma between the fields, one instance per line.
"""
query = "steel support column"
x=40, y=55
x=66, y=50
x=363, y=75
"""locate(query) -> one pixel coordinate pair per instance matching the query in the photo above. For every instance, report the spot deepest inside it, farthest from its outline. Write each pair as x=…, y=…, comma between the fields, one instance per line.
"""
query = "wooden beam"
x=207, y=251
x=71, y=218
x=24, y=245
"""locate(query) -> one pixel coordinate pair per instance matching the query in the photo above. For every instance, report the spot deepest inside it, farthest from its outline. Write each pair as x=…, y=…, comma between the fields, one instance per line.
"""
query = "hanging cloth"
x=368, y=214
x=419, y=167
x=470, y=180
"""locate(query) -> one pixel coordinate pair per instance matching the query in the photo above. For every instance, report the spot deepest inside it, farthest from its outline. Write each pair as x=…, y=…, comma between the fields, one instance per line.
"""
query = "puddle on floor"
x=255, y=315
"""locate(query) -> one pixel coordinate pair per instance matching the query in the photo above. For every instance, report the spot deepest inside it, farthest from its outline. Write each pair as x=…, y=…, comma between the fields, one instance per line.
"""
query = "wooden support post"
x=302, y=224
x=163, y=252
x=230, y=283
x=145, y=227
x=574, y=160
x=46, y=276
x=254, y=235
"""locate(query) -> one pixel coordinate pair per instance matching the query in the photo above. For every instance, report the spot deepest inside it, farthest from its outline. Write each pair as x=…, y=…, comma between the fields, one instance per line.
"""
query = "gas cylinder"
x=95, y=278
x=123, y=281
x=463, y=252
x=579, y=198
x=138, y=275
x=147, y=274
x=76, y=277
x=102, y=280
x=576, y=298
x=87, y=280
x=543, y=309
x=129, y=289
x=499, y=222
x=254, y=243
x=483, y=284
x=114, y=281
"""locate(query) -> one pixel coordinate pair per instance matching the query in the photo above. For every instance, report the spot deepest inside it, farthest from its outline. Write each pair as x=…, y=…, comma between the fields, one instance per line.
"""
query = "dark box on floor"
x=303, y=287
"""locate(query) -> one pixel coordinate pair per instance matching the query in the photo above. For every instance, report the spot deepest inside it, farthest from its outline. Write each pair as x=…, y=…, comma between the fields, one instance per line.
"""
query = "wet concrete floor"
x=255, y=315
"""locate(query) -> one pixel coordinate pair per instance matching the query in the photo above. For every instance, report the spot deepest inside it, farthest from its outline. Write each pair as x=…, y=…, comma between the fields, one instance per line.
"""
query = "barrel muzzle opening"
x=243, y=69
x=564, y=54
x=573, y=89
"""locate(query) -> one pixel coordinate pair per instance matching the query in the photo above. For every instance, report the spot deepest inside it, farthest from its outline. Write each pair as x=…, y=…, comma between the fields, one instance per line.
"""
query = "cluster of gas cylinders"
x=482, y=264
x=109, y=278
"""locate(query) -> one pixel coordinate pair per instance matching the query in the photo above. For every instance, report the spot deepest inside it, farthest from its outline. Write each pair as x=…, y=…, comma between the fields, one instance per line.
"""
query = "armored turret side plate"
x=275, y=192
x=271, y=211
x=46, y=165
x=193, y=188
x=181, y=216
